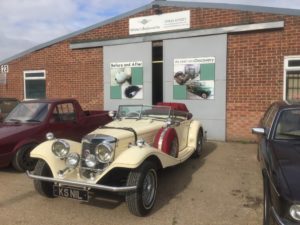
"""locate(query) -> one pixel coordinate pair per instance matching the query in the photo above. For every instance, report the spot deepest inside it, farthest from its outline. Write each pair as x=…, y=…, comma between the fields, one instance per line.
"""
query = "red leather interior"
x=177, y=107
x=174, y=106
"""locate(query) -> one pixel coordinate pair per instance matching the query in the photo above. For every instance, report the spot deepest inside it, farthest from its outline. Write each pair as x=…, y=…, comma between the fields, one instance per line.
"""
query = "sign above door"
x=160, y=23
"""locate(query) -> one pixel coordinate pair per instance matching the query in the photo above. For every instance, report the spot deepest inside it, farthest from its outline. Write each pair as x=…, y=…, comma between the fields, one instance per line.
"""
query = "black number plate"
x=67, y=192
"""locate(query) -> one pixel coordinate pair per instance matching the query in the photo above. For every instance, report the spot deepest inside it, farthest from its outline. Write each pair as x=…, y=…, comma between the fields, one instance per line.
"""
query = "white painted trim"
x=31, y=78
x=182, y=34
x=286, y=68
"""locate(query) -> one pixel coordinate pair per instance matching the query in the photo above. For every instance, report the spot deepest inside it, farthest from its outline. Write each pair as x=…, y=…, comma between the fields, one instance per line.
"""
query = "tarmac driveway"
x=223, y=187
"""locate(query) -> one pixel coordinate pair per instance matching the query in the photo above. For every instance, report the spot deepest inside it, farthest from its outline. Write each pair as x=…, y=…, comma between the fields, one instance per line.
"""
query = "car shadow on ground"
x=106, y=200
x=172, y=181
x=9, y=169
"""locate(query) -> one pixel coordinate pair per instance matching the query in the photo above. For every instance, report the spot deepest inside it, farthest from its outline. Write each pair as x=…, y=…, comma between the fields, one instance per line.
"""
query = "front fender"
x=193, y=133
x=43, y=151
x=135, y=156
x=130, y=158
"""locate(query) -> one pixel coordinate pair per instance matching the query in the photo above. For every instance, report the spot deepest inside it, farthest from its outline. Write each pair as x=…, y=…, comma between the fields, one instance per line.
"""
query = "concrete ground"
x=223, y=187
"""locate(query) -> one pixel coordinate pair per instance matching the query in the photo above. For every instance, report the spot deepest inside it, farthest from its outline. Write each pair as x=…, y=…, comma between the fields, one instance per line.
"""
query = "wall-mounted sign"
x=126, y=80
x=159, y=23
x=3, y=72
x=4, y=69
x=194, y=78
x=2, y=78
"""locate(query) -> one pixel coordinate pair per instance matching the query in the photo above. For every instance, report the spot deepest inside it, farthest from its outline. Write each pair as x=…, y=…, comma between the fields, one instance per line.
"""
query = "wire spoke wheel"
x=141, y=201
x=199, y=145
x=149, y=188
x=174, y=148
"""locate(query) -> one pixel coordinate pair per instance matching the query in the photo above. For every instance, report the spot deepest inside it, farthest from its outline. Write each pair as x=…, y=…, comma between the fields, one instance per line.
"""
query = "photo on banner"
x=126, y=80
x=194, y=78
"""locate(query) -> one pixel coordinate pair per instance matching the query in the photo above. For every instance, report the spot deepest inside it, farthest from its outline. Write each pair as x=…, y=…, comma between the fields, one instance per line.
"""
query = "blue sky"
x=26, y=23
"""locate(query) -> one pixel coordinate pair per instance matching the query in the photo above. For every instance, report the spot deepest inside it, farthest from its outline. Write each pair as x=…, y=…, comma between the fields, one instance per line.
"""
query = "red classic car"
x=28, y=123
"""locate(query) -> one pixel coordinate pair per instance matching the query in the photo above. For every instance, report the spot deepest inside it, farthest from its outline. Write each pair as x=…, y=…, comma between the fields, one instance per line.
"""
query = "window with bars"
x=293, y=85
x=292, y=78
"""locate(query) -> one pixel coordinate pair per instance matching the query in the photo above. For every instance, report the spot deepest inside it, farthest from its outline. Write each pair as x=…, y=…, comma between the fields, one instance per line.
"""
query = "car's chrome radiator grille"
x=89, y=148
x=89, y=145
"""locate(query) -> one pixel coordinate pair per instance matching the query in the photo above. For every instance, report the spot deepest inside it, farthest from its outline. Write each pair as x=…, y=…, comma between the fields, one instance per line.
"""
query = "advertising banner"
x=160, y=23
x=194, y=78
x=126, y=80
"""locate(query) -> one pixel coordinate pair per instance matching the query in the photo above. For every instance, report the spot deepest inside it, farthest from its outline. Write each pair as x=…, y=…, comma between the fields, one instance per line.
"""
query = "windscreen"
x=288, y=126
x=28, y=112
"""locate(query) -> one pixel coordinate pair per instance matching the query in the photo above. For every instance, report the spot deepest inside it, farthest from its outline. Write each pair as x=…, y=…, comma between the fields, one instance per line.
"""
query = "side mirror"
x=258, y=130
x=112, y=114
x=171, y=122
x=49, y=136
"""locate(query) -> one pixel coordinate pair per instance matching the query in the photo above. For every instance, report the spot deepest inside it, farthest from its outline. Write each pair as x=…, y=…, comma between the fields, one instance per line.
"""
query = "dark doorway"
x=157, y=72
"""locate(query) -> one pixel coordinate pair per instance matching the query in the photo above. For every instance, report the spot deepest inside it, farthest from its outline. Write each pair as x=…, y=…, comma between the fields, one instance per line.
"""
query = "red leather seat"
x=177, y=107
x=174, y=106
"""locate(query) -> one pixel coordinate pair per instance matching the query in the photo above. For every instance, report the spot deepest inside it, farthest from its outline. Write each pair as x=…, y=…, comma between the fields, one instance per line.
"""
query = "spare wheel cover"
x=164, y=138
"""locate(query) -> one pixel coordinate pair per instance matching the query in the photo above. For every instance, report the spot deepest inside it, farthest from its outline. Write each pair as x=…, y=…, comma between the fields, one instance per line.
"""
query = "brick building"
x=226, y=62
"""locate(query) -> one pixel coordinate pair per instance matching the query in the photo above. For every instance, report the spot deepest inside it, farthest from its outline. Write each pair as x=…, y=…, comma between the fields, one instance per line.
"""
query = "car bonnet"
x=9, y=130
x=288, y=156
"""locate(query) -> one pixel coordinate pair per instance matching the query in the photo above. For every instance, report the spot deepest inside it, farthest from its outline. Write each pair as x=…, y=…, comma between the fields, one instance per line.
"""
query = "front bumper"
x=281, y=221
x=81, y=184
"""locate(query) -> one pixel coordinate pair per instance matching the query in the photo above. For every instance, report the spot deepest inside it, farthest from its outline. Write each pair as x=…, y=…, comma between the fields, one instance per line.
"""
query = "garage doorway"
x=157, y=72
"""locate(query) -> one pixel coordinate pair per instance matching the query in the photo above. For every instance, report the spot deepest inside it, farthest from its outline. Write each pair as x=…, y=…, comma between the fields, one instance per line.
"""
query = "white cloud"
x=26, y=23
x=10, y=46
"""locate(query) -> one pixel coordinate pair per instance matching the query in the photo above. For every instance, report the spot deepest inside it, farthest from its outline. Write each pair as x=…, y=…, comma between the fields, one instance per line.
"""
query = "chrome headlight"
x=72, y=160
x=295, y=212
x=104, y=152
x=60, y=148
x=90, y=161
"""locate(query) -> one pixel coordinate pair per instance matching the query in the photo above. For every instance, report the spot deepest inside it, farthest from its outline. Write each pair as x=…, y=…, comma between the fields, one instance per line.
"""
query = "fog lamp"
x=90, y=161
x=72, y=160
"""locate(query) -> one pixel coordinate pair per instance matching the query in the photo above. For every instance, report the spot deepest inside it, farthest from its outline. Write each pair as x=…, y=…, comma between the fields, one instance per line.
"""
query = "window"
x=292, y=78
x=288, y=125
x=64, y=112
x=34, y=84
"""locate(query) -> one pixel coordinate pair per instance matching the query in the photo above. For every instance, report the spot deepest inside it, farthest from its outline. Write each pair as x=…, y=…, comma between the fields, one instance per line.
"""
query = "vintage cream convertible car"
x=122, y=156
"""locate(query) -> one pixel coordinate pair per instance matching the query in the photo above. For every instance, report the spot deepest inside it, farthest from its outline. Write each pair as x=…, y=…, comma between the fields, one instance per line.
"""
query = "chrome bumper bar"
x=81, y=184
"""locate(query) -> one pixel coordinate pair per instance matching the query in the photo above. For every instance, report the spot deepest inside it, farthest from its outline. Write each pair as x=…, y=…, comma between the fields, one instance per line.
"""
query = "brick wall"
x=69, y=73
x=254, y=65
x=255, y=74
x=254, y=79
